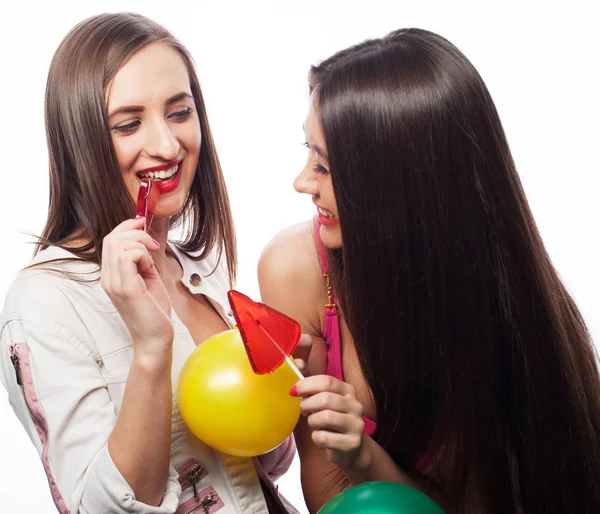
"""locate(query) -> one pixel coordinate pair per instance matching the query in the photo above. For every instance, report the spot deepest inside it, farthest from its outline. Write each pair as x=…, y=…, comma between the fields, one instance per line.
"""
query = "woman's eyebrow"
x=132, y=109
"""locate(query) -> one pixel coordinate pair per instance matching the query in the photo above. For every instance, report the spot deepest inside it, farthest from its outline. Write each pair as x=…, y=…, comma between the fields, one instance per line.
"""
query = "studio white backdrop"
x=540, y=60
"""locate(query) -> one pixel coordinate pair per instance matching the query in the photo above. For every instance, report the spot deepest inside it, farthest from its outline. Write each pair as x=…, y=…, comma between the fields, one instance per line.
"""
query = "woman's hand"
x=335, y=416
x=131, y=281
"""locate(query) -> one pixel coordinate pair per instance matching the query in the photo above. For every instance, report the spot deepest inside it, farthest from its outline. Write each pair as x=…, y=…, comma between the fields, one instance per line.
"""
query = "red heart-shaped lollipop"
x=147, y=199
x=268, y=335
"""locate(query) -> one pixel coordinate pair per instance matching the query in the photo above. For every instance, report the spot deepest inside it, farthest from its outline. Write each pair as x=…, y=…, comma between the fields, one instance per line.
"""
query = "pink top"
x=331, y=335
x=331, y=329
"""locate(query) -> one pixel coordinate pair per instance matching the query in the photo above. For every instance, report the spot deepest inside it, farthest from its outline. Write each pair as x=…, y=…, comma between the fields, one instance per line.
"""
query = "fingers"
x=331, y=420
x=115, y=239
x=335, y=416
x=333, y=402
x=125, y=233
x=303, y=348
x=121, y=273
x=126, y=260
x=323, y=383
x=131, y=224
x=305, y=341
x=337, y=442
x=330, y=404
x=300, y=364
x=125, y=255
x=127, y=281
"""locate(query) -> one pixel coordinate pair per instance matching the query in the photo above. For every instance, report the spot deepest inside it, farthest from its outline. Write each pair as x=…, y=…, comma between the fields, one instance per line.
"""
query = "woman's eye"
x=182, y=115
x=320, y=169
x=129, y=127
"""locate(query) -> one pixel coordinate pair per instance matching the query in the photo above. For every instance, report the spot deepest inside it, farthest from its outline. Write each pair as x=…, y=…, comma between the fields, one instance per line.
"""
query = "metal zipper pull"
x=193, y=476
x=208, y=501
x=14, y=358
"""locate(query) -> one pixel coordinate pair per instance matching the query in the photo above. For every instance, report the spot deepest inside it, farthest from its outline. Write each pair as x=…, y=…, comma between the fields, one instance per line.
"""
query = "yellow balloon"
x=229, y=407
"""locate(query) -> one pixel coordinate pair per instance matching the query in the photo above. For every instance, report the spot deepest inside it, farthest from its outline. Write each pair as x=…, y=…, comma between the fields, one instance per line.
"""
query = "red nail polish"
x=293, y=391
x=156, y=242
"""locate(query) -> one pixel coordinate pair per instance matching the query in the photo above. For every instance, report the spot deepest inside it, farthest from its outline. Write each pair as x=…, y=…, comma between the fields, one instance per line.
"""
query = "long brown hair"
x=465, y=334
x=83, y=164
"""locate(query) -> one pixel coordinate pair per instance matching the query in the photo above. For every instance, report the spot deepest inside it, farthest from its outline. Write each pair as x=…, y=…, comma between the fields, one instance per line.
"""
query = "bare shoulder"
x=290, y=257
x=289, y=274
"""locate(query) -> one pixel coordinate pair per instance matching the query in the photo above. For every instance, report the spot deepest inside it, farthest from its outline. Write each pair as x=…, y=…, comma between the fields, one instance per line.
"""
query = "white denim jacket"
x=65, y=354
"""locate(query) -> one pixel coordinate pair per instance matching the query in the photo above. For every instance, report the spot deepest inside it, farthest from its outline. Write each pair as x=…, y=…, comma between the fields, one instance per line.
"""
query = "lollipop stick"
x=295, y=369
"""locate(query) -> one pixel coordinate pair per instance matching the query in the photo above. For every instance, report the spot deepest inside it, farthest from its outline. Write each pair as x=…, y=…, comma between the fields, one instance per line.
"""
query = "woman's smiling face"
x=154, y=125
x=315, y=180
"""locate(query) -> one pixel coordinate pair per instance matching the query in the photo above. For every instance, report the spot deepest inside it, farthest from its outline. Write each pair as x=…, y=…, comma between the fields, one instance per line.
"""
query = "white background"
x=538, y=58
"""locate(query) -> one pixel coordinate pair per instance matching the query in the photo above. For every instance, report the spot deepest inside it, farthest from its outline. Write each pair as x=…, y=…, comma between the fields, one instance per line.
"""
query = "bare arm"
x=321, y=479
x=140, y=441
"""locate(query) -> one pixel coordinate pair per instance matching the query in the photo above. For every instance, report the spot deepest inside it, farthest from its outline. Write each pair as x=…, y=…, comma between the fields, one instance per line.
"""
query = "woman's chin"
x=331, y=237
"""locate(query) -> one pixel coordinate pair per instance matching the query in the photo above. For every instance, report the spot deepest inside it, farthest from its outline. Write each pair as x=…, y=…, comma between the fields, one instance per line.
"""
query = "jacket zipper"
x=39, y=423
x=207, y=502
x=14, y=357
x=193, y=475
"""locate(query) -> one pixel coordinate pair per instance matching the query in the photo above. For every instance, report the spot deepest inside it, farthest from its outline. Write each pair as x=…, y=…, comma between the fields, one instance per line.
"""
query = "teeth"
x=162, y=174
x=325, y=213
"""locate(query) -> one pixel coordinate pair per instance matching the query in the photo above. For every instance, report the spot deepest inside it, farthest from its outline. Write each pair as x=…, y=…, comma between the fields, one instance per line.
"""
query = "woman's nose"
x=306, y=182
x=162, y=142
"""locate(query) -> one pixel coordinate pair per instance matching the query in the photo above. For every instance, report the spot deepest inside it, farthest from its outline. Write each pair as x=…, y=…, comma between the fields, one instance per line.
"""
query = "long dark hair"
x=465, y=334
x=83, y=164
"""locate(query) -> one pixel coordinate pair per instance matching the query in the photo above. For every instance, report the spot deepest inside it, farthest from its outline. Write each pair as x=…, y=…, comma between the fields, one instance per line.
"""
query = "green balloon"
x=380, y=498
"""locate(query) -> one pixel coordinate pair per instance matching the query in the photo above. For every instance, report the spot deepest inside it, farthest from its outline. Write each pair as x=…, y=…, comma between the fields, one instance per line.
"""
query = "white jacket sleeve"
x=62, y=401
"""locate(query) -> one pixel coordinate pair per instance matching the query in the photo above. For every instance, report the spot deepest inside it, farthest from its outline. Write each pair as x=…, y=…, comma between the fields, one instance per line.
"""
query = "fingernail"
x=293, y=391
x=137, y=217
x=156, y=242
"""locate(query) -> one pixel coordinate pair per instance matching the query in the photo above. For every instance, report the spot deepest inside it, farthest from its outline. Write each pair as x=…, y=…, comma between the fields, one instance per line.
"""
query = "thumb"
x=304, y=347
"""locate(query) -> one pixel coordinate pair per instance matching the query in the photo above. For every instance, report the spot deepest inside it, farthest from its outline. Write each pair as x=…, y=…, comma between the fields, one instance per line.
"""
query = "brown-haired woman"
x=94, y=333
x=440, y=317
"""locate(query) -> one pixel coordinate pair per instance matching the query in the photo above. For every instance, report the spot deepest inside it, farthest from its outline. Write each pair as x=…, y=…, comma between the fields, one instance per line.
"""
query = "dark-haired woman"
x=446, y=354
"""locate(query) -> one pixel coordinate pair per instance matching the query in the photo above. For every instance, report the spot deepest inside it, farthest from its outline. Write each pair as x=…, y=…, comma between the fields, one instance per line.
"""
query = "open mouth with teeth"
x=327, y=218
x=325, y=213
x=166, y=176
